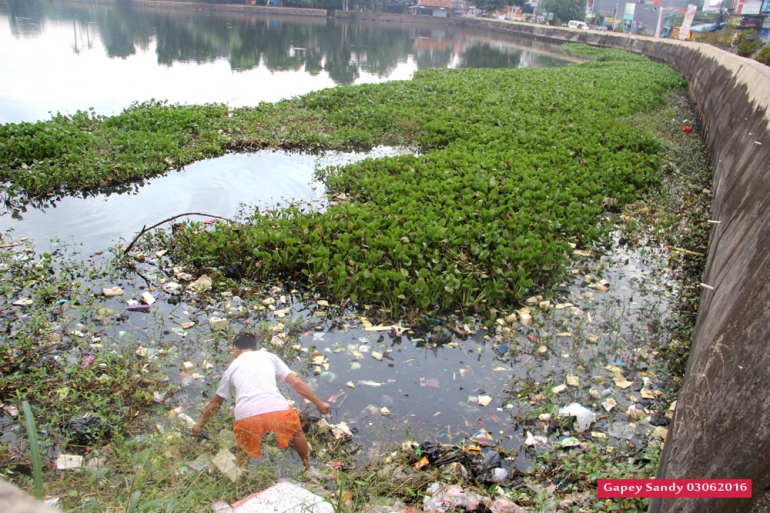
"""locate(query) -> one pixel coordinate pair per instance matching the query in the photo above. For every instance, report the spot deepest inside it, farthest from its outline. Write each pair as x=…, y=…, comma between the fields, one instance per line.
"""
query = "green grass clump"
x=764, y=55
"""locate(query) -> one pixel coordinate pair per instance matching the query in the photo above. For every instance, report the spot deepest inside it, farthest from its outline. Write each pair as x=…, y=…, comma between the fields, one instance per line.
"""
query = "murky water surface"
x=433, y=379
x=218, y=187
x=68, y=57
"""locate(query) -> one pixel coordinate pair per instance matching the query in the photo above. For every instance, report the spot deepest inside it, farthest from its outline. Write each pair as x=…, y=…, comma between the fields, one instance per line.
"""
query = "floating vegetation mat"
x=517, y=168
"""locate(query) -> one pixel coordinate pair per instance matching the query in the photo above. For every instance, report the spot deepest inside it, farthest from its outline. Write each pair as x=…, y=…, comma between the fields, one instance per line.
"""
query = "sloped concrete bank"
x=721, y=427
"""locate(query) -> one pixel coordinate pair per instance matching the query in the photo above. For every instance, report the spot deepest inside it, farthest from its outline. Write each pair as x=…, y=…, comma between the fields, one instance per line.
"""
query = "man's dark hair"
x=245, y=341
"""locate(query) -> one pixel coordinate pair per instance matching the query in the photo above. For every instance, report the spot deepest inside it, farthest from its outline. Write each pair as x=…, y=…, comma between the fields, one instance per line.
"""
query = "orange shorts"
x=249, y=431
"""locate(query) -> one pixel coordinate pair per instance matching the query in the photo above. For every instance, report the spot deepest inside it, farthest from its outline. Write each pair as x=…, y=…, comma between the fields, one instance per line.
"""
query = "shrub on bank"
x=748, y=43
x=764, y=55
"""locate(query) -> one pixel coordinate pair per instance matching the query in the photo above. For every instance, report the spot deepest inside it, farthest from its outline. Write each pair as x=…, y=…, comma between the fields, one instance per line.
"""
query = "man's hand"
x=211, y=408
x=305, y=391
x=324, y=408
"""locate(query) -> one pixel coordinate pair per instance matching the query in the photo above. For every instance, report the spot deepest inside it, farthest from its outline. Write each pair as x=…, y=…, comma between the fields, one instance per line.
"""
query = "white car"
x=577, y=25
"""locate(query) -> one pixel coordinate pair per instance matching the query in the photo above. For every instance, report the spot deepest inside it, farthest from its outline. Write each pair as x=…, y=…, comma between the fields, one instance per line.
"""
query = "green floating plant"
x=515, y=164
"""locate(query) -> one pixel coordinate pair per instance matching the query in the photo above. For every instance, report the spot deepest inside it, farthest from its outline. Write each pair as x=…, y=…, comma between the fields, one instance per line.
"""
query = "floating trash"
x=429, y=382
x=583, y=416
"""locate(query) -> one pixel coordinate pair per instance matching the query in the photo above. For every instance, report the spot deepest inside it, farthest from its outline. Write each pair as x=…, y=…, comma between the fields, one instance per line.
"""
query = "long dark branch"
x=145, y=229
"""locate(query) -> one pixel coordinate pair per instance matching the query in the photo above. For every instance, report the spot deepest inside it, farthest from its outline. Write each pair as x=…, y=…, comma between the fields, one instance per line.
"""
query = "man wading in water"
x=259, y=406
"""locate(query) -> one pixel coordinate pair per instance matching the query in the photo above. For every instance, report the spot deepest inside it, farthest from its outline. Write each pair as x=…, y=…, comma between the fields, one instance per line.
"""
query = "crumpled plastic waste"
x=498, y=476
x=505, y=505
x=491, y=468
x=284, y=496
x=583, y=416
x=225, y=462
x=570, y=441
x=442, y=498
x=112, y=291
x=533, y=440
x=202, y=284
x=340, y=431
x=483, y=437
x=68, y=461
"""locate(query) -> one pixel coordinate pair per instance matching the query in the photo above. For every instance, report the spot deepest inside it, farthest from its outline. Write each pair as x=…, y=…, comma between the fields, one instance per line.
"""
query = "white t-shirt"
x=254, y=376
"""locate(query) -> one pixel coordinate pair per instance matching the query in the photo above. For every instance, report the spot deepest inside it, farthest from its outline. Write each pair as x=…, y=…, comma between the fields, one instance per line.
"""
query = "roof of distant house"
x=438, y=4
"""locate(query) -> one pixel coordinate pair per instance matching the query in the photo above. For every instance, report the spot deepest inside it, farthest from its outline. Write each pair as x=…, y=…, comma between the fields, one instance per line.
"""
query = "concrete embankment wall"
x=277, y=11
x=721, y=426
x=391, y=17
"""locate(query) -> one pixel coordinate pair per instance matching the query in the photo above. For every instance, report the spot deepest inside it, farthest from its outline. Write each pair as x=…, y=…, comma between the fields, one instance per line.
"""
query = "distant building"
x=750, y=7
x=754, y=14
x=642, y=18
x=638, y=18
x=458, y=7
x=435, y=8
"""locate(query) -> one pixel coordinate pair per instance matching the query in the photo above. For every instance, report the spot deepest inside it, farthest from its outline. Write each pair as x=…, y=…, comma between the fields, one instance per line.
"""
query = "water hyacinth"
x=516, y=163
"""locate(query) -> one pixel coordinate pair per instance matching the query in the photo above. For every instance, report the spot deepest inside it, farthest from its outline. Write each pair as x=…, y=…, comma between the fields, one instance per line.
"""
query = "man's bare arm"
x=211, y=408
x=305, y=391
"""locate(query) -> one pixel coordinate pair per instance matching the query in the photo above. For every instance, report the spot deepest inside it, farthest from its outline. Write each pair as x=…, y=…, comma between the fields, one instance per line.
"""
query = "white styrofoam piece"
x=68, y=461
x=285, y=497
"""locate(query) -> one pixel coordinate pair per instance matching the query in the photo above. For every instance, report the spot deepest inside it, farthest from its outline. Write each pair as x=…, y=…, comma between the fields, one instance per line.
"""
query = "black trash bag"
x=483, y=462
x=492, y=459
x=234, y=271
x=437, y=454
x=431, y=451
x=485, y=468
x=447, y=457
x=476, y=465
x=86, y=430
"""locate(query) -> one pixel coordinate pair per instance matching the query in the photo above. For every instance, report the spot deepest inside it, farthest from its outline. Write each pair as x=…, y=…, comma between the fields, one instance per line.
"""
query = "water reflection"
x=280, y=44
x=101, y=217
x=24, y=17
